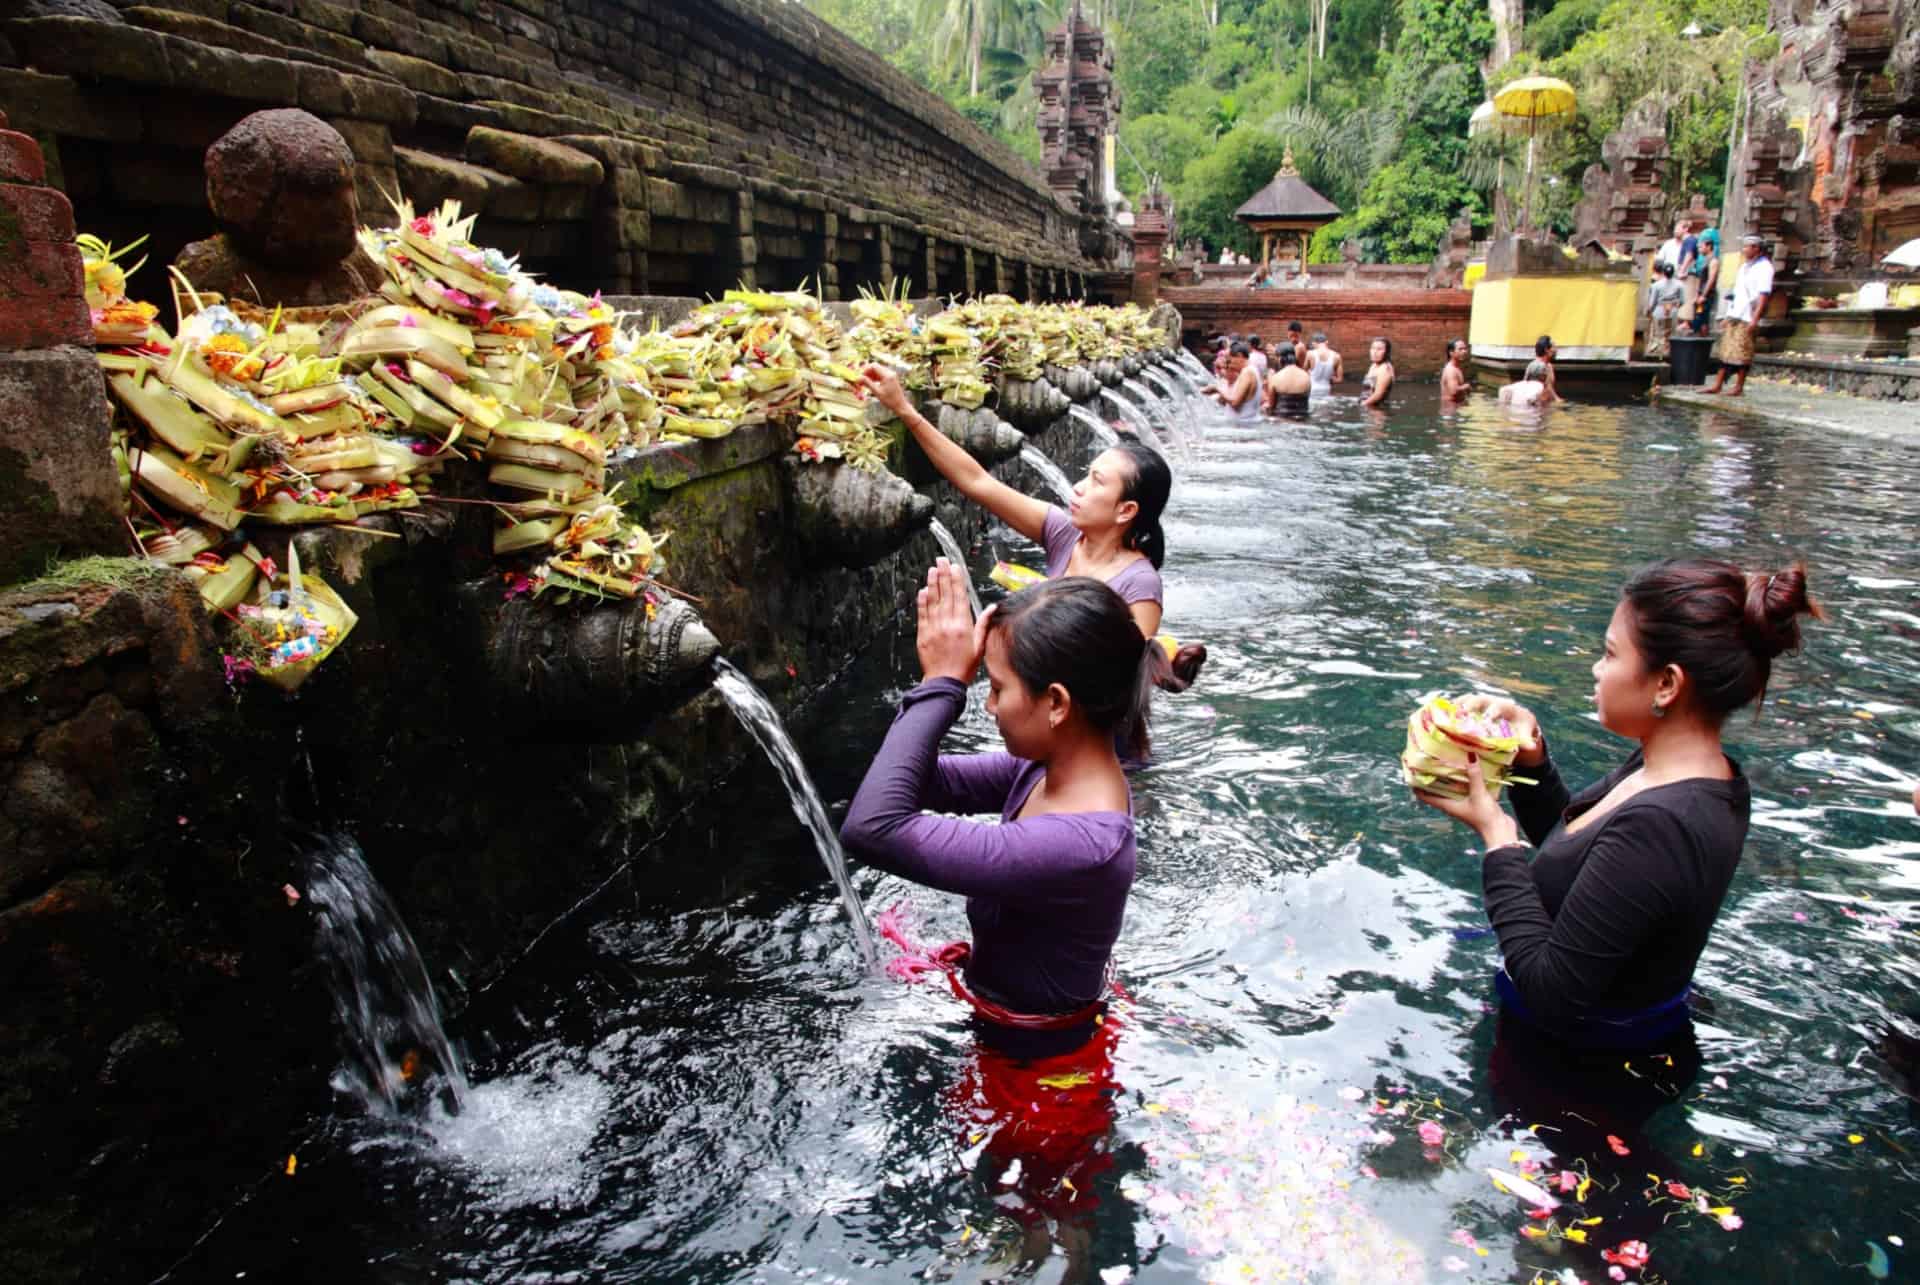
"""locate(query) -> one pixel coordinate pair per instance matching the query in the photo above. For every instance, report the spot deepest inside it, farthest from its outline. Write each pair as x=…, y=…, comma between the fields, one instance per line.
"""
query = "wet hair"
x=1077, y=632
x=1386, y=343
x=1720, y=624
x=1255, y=341
x=1455, y=345
x=1294, y=327
x=1240, y=348
x=1319, y=336
x=1147, y=482
x=1541, y=345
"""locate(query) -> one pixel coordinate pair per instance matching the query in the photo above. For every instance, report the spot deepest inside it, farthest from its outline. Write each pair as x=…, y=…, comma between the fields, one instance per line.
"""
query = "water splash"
x=1191, y=364
x=1168, y=392
x=757, y=715
x=399, y=1056
x=1163, y=410
x=1136, y=418
x=1096, y=426
x=957, y=556
x=1049, y=472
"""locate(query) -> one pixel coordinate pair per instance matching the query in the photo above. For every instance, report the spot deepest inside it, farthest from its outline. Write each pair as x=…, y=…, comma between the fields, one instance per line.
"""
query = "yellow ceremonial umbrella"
x=1530, y=98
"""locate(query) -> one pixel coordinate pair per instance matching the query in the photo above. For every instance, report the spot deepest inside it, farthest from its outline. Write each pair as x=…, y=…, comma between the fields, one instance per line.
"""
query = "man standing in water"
x=1455, y=384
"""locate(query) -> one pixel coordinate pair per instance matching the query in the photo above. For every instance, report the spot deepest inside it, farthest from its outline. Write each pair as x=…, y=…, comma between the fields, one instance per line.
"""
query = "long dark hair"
x=1147, y=483
x=1720, y=624
x=1076, y=631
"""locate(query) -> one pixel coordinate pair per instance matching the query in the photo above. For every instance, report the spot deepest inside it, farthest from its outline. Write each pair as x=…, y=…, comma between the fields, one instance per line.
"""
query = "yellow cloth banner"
x=1590, y=318
x=1471, y=277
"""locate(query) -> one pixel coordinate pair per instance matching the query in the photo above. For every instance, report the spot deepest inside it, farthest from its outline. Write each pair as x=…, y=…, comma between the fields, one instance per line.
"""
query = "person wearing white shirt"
x=1744, y=308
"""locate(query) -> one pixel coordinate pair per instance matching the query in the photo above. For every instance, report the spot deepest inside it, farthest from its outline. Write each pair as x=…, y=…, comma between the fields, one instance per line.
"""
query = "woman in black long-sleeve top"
x=1602, y=928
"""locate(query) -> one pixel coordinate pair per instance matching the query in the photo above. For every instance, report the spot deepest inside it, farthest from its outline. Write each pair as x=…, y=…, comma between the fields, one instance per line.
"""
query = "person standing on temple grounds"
x=1744, y=307
x=1664, y=303
x=1673, y=249
x=1706, y=267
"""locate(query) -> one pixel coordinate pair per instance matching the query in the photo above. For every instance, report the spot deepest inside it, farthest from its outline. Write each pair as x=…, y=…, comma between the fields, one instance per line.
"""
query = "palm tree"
x=962, y=29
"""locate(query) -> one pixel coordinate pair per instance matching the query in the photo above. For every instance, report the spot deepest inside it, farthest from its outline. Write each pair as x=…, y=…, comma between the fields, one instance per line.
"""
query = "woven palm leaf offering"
x=1440, y=735
x=294, y=623
x=117, y=320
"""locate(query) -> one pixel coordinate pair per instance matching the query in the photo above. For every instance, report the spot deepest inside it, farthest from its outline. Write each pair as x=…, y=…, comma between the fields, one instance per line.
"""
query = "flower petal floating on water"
x=1514, y=1184
x=1114, y=1275
x=1432, y=1133
x=1619, y=1148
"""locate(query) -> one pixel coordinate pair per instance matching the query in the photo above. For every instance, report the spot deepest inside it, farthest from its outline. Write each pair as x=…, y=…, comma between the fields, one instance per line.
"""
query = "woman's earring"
x=1659, y=710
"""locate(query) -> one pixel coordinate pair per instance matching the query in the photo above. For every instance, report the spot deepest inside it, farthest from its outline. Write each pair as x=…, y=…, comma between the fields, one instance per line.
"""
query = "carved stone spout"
x=843, y=515
x=1132, y=364
x=1077, y=382
x=595, y=668
x=1109, y=372
x=1032, y=404
x=986, y=436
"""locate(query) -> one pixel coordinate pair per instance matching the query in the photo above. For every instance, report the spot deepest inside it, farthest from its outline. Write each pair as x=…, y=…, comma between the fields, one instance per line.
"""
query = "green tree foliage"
x=1212, y=91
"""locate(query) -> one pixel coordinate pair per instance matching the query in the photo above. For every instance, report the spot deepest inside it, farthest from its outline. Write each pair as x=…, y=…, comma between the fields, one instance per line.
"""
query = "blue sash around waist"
x=1603, y=1027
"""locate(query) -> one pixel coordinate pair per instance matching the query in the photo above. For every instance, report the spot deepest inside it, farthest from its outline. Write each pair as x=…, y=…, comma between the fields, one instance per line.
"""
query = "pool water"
x=703, y=1087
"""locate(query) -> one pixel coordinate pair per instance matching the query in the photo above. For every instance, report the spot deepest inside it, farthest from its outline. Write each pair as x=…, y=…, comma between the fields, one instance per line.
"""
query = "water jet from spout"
x=399, y=1056
x=1049, y=472
x=958, y=557
x=1097, y=427
x=758, y=716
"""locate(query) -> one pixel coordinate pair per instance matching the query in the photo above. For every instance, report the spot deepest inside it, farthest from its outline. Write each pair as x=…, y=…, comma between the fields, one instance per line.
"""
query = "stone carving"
x=281, y=186
x=596, y=669
x=1830, y=166
x=1078, y=104
x=1449, y=268
x=854, y=519
x=984, y=434
x=1031, y=404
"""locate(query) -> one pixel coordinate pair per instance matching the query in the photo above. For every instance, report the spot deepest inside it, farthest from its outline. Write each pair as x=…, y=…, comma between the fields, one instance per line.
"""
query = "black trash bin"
x=1690, y=356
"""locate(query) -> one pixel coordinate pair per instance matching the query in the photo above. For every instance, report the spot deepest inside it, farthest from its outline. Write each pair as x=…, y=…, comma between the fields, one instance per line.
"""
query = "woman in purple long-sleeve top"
x=1047, y=887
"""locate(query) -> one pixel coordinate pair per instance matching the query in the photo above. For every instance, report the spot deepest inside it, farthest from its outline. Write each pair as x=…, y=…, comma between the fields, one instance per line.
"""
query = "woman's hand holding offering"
x=1533, y=749
x=884, y=387
x=1479, y=809
x=950, y=641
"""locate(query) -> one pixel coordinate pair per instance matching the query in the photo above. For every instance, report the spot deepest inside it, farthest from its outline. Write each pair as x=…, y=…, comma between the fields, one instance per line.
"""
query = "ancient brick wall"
x=736, y=138
x=1419, y=322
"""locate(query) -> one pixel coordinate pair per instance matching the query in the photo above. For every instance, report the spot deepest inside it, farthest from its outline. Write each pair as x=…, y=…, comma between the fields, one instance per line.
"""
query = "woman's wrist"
x=1500, y=833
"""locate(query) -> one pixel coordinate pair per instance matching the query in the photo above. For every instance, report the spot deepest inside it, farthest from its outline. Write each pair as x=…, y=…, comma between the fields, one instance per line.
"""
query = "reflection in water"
x=1311, y=1082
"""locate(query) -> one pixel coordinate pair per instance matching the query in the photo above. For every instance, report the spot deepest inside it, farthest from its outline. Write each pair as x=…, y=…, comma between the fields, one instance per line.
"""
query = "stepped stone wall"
x=646, y=146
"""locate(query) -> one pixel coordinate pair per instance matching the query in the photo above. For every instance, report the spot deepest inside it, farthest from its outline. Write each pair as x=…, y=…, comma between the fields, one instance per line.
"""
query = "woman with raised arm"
x=1111, y=532
x=1603, y=908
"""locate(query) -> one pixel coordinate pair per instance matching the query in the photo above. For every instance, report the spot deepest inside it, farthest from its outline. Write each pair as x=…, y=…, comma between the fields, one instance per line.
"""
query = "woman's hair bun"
x=1775, y=602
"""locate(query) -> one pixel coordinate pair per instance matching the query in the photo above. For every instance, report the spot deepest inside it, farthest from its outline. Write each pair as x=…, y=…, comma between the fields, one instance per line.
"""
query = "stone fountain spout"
x=983, y=434
x=1077, y=382
x=595, y=669
x=1108, y=372
x=1032, y=404
x=842, y=515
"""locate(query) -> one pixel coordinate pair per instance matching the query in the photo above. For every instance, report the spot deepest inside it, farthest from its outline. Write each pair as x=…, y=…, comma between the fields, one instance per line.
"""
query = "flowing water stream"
x=1135, y=417
x=1036, y=459
x=1095, y=426
x=399, y=1059
x=957, y=556
x=707, y=1086
x=758, y=716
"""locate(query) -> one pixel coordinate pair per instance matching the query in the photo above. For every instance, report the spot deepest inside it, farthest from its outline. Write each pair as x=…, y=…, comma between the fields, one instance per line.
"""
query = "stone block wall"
x=735, y=139
x=58, y=493
x=1419, y=322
